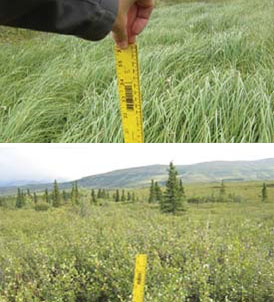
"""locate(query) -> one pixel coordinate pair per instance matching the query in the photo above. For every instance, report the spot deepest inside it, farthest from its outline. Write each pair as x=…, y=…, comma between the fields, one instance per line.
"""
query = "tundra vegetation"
x=80, y=245
x=206, y=73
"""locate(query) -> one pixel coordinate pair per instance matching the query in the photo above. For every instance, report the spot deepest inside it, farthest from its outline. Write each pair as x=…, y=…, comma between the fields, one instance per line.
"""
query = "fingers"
x=120, y=34
x=132, y=15
x=140, y=22
x=143, y=16
x=139, y=26
x=131, y=22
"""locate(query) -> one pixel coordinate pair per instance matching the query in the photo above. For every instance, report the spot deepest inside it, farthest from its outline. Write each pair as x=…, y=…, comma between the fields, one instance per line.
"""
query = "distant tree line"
x=56, y=198
x=171, y=197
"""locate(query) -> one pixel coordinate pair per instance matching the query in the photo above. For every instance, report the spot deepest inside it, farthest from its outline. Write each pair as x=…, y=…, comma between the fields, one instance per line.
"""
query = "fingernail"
x=123, y=45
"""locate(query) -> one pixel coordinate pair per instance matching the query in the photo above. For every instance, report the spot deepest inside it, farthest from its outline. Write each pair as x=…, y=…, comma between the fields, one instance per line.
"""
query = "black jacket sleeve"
x=88, y=19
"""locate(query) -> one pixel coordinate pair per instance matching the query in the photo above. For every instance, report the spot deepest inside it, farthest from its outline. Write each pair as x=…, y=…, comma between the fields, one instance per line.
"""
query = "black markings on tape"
x=129, y=97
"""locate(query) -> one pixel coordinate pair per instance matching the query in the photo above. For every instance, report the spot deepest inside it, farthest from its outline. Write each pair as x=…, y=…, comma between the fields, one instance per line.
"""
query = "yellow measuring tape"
x=139, y=278
x=127, y=67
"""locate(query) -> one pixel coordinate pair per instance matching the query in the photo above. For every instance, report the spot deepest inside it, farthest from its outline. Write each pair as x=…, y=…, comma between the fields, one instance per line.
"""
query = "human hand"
x=132, y=18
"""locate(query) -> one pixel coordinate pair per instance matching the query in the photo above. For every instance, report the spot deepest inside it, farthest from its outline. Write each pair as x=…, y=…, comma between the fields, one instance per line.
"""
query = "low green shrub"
x=218, y=252
x=41, y=206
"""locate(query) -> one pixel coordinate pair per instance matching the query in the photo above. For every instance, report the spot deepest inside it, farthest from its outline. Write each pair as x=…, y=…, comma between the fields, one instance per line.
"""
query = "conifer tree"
x=28, y=193
x=64, y=196
x=72, y=194
x=75, y=194
x=56, y=198
x=99, y=194
x=117, y=196
x=173, y=200
x=35, y=199
x=158, y=192
x=264, y=193
x=151, y=197
x=46, y=196
x=123, y=197
x=128, y=196
x=93, y=197
x=222, y=189
x=182, y=189
x=20, y=200
x=133, y=196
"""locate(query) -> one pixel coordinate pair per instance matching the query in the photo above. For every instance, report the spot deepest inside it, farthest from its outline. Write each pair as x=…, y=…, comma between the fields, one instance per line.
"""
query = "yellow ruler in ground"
x=127, y=67
x=139, y=278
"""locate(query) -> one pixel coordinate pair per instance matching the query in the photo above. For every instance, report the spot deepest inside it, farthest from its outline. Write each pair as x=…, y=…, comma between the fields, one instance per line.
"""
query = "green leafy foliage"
x=41, y=206
x=219, y=252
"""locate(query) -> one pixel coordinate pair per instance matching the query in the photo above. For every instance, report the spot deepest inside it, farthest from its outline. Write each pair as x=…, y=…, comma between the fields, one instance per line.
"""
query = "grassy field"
x=218, y=252
x=207, y=76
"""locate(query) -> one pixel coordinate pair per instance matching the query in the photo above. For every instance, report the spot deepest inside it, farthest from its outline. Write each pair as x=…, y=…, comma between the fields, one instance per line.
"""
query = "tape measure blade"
x=139, y=278
x=127, y=68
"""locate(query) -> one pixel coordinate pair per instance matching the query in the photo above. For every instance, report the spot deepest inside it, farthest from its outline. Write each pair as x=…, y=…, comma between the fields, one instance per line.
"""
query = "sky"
x=46, y=162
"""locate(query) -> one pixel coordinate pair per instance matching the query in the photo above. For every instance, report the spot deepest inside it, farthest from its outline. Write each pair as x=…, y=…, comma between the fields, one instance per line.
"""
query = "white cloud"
x=72, y=161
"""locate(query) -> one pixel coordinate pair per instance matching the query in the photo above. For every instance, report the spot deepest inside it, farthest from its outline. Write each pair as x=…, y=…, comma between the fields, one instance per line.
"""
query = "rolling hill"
x=141, y=176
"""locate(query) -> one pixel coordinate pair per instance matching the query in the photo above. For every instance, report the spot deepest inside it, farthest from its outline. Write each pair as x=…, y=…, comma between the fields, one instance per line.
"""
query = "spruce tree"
x=19, y=199
x=35, y=199
x=117, y=196
x=72, y=194
x=264, y=193
x=151, y=197
x=56, y=198
x=99, y=194
x=64, y=196
x=182, y=189
x=173, y=200
x=133, y=196
x=46, y=196
x=93, y=197
x=128, y=196
x=123, y=197
x=158, y=192
x=75, y=194
x=222, y=189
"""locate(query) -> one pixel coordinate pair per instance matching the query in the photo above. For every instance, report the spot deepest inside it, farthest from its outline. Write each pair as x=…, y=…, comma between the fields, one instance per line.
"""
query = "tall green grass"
x=206, y=72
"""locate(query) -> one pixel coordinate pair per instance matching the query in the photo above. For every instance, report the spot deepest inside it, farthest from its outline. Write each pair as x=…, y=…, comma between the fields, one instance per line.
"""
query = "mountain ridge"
x=212, y=171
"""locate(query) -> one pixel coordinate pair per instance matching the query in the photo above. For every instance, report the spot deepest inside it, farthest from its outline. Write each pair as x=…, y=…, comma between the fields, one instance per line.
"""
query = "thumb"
x=120, y=35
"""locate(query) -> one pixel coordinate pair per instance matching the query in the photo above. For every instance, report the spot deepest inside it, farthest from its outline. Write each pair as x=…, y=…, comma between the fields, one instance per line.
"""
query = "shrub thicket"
x=219, y=252
x=41, y=206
